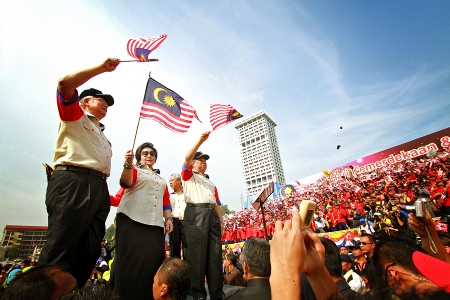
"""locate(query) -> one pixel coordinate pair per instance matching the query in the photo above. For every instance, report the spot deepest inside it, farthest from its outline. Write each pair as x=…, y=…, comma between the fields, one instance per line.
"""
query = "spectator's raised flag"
x=167, y=107
x=222, y=114
x=141, y=48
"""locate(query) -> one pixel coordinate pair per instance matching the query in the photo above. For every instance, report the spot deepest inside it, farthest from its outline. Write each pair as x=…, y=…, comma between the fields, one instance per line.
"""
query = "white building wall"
x=260, y=155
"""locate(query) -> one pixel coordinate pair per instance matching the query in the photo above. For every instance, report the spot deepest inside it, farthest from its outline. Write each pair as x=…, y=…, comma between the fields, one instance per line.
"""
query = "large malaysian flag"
x=167, y=107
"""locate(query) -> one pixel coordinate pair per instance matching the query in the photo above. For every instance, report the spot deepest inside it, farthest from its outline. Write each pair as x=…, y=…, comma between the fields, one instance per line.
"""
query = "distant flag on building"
x=222, y=114
x=167, y=107
x=141, y=48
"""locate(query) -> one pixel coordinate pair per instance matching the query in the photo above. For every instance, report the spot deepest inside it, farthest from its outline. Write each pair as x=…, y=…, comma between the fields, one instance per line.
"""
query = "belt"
x=203, y=205
x=178, y=219
x=81, y=170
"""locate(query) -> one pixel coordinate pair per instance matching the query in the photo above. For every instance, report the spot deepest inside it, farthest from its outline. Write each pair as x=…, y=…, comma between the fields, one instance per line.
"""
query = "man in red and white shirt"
x=77, y=197
x=203, y=224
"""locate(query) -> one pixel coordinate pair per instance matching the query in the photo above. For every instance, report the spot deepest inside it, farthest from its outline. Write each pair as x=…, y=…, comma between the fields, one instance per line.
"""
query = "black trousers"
x=139, y=254
x=202, y=228
x=177, y=236
x=77, y=207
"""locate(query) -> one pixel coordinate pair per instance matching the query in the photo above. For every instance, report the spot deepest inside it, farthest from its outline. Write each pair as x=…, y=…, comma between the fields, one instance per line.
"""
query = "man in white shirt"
x=355, y=281
x=178, y=207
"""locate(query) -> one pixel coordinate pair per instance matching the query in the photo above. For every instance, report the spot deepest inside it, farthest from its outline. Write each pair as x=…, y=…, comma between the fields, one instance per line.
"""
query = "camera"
x=418, y=208
x=306, y=212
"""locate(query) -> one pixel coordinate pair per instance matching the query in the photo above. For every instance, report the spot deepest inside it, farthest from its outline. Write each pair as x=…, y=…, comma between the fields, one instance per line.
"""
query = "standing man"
x=178, y=207
x=77, y=197
x=203, y=224
x=367, y=244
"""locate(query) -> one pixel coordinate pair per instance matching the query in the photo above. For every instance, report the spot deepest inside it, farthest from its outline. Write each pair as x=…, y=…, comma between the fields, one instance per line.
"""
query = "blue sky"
x=380, y=69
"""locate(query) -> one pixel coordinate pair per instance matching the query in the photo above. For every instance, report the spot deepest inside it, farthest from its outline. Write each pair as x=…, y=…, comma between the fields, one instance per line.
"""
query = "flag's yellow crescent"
x=155, y=94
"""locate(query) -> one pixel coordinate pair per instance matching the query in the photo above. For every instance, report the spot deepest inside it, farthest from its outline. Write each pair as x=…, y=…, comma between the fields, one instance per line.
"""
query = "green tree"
x=110, y=232
x=225, y=210
x=12, y=252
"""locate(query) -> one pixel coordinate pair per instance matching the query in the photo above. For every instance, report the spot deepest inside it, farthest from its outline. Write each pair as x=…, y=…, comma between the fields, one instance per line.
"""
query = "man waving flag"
x=222, y=114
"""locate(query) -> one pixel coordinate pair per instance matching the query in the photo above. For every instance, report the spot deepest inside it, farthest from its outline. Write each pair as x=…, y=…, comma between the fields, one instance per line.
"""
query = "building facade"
x=27, y=238
x=260, y=156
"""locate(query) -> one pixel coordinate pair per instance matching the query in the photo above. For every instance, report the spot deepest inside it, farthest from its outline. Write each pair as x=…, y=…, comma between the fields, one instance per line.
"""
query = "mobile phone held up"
x=306, y=212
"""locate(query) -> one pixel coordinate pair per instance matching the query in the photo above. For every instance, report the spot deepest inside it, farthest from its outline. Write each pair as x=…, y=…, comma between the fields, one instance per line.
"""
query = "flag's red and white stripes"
x=149, y=43
x=219, y=114
x=178, y=124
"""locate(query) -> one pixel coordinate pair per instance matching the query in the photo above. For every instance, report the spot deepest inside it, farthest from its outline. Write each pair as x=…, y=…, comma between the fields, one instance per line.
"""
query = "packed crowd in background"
x=373, y=202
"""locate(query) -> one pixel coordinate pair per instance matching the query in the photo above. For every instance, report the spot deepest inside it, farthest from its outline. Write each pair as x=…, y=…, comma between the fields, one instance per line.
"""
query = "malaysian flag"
x=222, y=114
x=141, y=48
x=167, y=107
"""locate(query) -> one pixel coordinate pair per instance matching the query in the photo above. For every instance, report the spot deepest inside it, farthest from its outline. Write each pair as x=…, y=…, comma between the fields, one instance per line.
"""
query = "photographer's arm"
x=425, y=228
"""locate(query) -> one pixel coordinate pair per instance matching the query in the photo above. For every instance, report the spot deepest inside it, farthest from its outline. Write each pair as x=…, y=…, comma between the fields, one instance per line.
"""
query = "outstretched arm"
x=68, y=83
x=191, y=152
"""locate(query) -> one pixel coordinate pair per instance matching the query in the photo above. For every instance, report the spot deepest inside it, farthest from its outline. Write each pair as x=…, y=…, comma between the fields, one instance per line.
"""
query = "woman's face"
x=148, y=157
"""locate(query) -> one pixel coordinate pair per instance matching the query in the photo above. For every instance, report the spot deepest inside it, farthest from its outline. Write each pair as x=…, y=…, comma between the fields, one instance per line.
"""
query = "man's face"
x=2, y=276
x=96, y=106
x=366, y=246
x=175, y=183
x=346, y=266
x=158, y=286
x=357, y=252
x=343, y=250
x=200, y=165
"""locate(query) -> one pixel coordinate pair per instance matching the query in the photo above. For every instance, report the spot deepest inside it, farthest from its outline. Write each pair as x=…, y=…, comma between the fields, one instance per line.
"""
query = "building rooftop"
x=25, y=228
x=241, y=123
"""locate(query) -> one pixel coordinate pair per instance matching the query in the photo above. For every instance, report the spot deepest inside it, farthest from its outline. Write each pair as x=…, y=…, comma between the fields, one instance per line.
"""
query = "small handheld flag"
x=222, y=114
x=140, y=48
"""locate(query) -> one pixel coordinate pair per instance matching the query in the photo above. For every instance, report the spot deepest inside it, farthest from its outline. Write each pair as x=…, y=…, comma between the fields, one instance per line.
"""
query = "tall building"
x=25, y=237
x=261, y=161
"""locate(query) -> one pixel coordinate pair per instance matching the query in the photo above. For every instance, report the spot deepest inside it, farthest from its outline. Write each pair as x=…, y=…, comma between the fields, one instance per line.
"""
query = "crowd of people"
x=374, y=202
x=397, y=253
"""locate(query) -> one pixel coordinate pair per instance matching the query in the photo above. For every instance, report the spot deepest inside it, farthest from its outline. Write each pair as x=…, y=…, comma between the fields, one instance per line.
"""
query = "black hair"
x=398, y=250
x=232, y=258
x=256, y=254
x=35, y=284
x=332, y=257
x=175, y=273
x=139, y=150
x=371, y=237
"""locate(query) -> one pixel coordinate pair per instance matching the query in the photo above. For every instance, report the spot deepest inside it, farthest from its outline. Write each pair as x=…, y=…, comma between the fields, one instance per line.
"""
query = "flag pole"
x=139, y=120
x=139, y=60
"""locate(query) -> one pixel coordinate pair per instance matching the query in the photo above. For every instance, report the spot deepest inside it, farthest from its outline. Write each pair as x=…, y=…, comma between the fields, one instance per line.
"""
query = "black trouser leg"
x=77, y=206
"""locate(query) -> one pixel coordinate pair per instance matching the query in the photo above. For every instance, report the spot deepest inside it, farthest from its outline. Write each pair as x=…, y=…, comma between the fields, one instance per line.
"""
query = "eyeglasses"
x=147, y=153
x=101, y=100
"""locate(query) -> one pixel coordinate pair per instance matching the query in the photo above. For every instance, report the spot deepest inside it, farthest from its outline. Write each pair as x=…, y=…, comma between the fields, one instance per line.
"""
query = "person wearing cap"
x=140, y=225
x=355, y=281
x=203, y=224
x=77, y=196
x=359, y=260
x=365, y=227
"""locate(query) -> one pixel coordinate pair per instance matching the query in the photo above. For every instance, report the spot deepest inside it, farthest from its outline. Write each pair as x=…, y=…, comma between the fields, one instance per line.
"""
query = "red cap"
x=433, y=269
